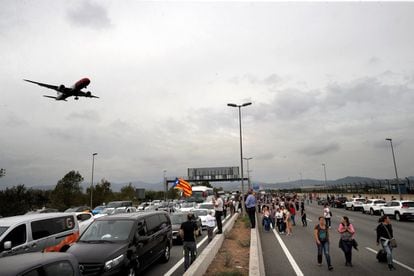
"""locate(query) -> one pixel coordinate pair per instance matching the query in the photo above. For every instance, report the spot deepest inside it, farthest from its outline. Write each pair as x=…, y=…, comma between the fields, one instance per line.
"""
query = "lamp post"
x=93, y=167
x=241, y=150
x=248, y=171
x=326, y=182
x=165, y=186
x=301, y=181
x=395, y=167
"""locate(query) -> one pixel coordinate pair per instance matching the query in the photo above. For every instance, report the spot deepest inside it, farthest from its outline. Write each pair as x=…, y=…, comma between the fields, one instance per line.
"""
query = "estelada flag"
x=184, y=186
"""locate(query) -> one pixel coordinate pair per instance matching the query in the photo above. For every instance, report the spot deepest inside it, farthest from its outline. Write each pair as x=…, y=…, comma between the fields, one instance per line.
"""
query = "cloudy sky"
x=328, y=82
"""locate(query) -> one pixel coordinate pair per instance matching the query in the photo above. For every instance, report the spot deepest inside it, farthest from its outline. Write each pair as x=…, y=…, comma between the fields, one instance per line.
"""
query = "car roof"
x=9, y=221
x=130, y=216
x=16, y=264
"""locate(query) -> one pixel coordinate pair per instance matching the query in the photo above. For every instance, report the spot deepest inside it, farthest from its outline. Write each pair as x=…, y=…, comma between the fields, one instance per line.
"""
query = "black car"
x=339, y=202
x=124, y=244
x=46, y=264
x=177, y=219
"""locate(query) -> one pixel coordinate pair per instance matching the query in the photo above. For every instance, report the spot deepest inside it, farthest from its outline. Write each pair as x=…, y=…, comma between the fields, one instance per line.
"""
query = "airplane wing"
x=54, y=87
x=87, y=94
x=56, y=98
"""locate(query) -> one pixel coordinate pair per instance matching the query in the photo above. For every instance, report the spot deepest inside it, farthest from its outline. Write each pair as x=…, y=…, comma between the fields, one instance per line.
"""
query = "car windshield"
x=187, y=205
x=178, y=218
x=3, y=229
x=360, y=199
x=70, y=210
x=206, y=206
x=108, y=211
x=108, y=230
x=379, y=202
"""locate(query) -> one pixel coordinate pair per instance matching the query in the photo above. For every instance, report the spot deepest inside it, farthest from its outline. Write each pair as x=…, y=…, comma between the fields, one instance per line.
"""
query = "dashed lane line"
x=292, y=261
x=395, y=261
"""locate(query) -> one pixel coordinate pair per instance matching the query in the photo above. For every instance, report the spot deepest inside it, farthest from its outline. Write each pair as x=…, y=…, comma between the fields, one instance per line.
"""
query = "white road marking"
x=394, y=260
x=181, y=261
x=288, y=255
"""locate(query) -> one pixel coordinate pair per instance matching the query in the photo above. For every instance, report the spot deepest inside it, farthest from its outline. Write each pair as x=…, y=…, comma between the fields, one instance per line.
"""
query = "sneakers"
x=330, y=267
x=391, y=267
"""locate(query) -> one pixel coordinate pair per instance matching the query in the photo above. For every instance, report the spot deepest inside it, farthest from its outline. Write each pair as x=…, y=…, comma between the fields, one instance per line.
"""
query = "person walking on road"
x=218, y=209
x=251, y=208
x=327, y=215
x=384, y=235
x=187, y=234
x=347, y=232
x=321, y=236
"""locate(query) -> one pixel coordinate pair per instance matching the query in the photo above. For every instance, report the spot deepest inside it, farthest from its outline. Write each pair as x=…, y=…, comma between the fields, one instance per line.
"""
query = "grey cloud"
x=320, y=149
x=86, y=115
x=265, y=156
x=15, y=121
x=89, y=14
x=374, y=61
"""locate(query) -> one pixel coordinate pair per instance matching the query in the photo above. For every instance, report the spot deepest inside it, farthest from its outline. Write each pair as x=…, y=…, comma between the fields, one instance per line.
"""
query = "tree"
x=128, y=192
x=68, y=192
x=102, y=192
x=14, y=201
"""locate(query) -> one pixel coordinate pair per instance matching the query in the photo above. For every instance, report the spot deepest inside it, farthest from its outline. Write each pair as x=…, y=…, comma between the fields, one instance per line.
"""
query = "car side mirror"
x=7, y=245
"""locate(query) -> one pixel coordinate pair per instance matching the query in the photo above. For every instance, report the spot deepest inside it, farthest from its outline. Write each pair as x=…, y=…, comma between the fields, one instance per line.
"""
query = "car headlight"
x=114, y=262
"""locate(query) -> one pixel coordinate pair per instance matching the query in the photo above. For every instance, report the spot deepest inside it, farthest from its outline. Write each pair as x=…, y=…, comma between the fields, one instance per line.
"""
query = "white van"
x=49, y=232
x=202, y=194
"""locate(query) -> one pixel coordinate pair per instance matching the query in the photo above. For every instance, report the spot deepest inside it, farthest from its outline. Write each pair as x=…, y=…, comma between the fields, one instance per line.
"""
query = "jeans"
x=385, y=244
x=323, y=247
x=346, y=246
x=189, y=248
x=252, y=216
x=328, y=222
x=218, y=215
x=210, y=233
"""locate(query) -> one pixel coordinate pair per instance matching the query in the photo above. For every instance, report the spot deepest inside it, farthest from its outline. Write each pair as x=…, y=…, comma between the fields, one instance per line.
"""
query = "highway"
x=296, y=254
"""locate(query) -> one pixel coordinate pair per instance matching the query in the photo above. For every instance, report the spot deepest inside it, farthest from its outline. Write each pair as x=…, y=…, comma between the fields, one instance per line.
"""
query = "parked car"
x=339, y=202
x=84, y=220
x=187, y=206
x=116, y=204
x=400, y=209
x=202, y=214
x=208, y=206
x=322, y=201
x=37, y=263
x=176, y=220
x=50, y=232
x=42, y=211
x=121, y=210
x=78, y=209
x=124, y=244
x=355, y=203
x=373, y=206
x=98, y=209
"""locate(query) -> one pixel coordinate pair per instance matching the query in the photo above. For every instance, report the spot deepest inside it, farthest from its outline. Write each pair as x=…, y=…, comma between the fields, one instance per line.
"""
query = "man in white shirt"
x=211, y=223
x=218, y=208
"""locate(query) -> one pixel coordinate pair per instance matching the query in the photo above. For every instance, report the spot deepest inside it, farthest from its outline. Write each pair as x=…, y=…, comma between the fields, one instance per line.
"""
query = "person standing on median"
x=321, y=235
x=251, y=208
x=187, y=234
x=218, y=209
x=211, y=223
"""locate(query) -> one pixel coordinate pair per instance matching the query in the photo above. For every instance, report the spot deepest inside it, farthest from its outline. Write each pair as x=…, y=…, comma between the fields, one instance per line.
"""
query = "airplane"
x=66, y=92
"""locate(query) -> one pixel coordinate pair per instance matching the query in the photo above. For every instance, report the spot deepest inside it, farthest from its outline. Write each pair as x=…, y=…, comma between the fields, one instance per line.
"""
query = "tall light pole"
x=93, y=167
x=326, y=182
x=395, y=167
x=165, y=185
x=241, y=150
x=301, y=181
x=248, y=171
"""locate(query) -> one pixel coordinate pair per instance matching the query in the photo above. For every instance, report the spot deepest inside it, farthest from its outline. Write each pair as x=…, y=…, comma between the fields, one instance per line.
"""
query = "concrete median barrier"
x=256, y=263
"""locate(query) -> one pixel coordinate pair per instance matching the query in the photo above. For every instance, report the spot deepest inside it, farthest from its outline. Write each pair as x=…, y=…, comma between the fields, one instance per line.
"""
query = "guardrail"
x=256, y=263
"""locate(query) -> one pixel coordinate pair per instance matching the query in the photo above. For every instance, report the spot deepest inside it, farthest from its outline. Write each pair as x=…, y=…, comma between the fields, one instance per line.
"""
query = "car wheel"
x=382, y=213
x=166, y=255
x=371, y=212
x=397, y=217
x=352, y=208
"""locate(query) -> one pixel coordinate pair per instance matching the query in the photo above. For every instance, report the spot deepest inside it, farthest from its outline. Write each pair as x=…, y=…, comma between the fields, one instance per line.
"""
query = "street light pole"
x=241, y=150
x=93, y=167
x=248, y=172
x=326, y=182
x=395, y=167
x=165, y=186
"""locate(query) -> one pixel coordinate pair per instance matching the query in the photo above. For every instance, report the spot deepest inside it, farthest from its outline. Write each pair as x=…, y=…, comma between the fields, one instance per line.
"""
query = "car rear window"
x=408, y=204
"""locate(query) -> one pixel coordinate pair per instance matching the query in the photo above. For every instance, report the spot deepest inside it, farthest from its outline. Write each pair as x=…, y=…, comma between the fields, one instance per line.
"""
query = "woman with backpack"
x=347, y=231
x=321, y=235
x=384, y=235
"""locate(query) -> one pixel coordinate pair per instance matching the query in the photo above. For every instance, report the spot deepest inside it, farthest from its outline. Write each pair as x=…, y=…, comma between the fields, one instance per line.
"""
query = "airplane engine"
x=88, y=94
x=61, y=87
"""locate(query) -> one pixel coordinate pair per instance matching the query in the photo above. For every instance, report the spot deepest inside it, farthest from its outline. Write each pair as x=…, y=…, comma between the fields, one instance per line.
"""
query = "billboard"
x=213, y=173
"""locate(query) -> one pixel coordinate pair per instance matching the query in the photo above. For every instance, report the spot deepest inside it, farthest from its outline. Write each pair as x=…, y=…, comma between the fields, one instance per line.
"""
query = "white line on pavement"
x=288, y=255
x=308, y=219
x=395, y=261
x=181, y=261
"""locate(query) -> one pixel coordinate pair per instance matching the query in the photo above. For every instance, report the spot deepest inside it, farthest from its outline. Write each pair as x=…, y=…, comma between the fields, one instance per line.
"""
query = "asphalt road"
x=296, y=254
x=175, y=266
